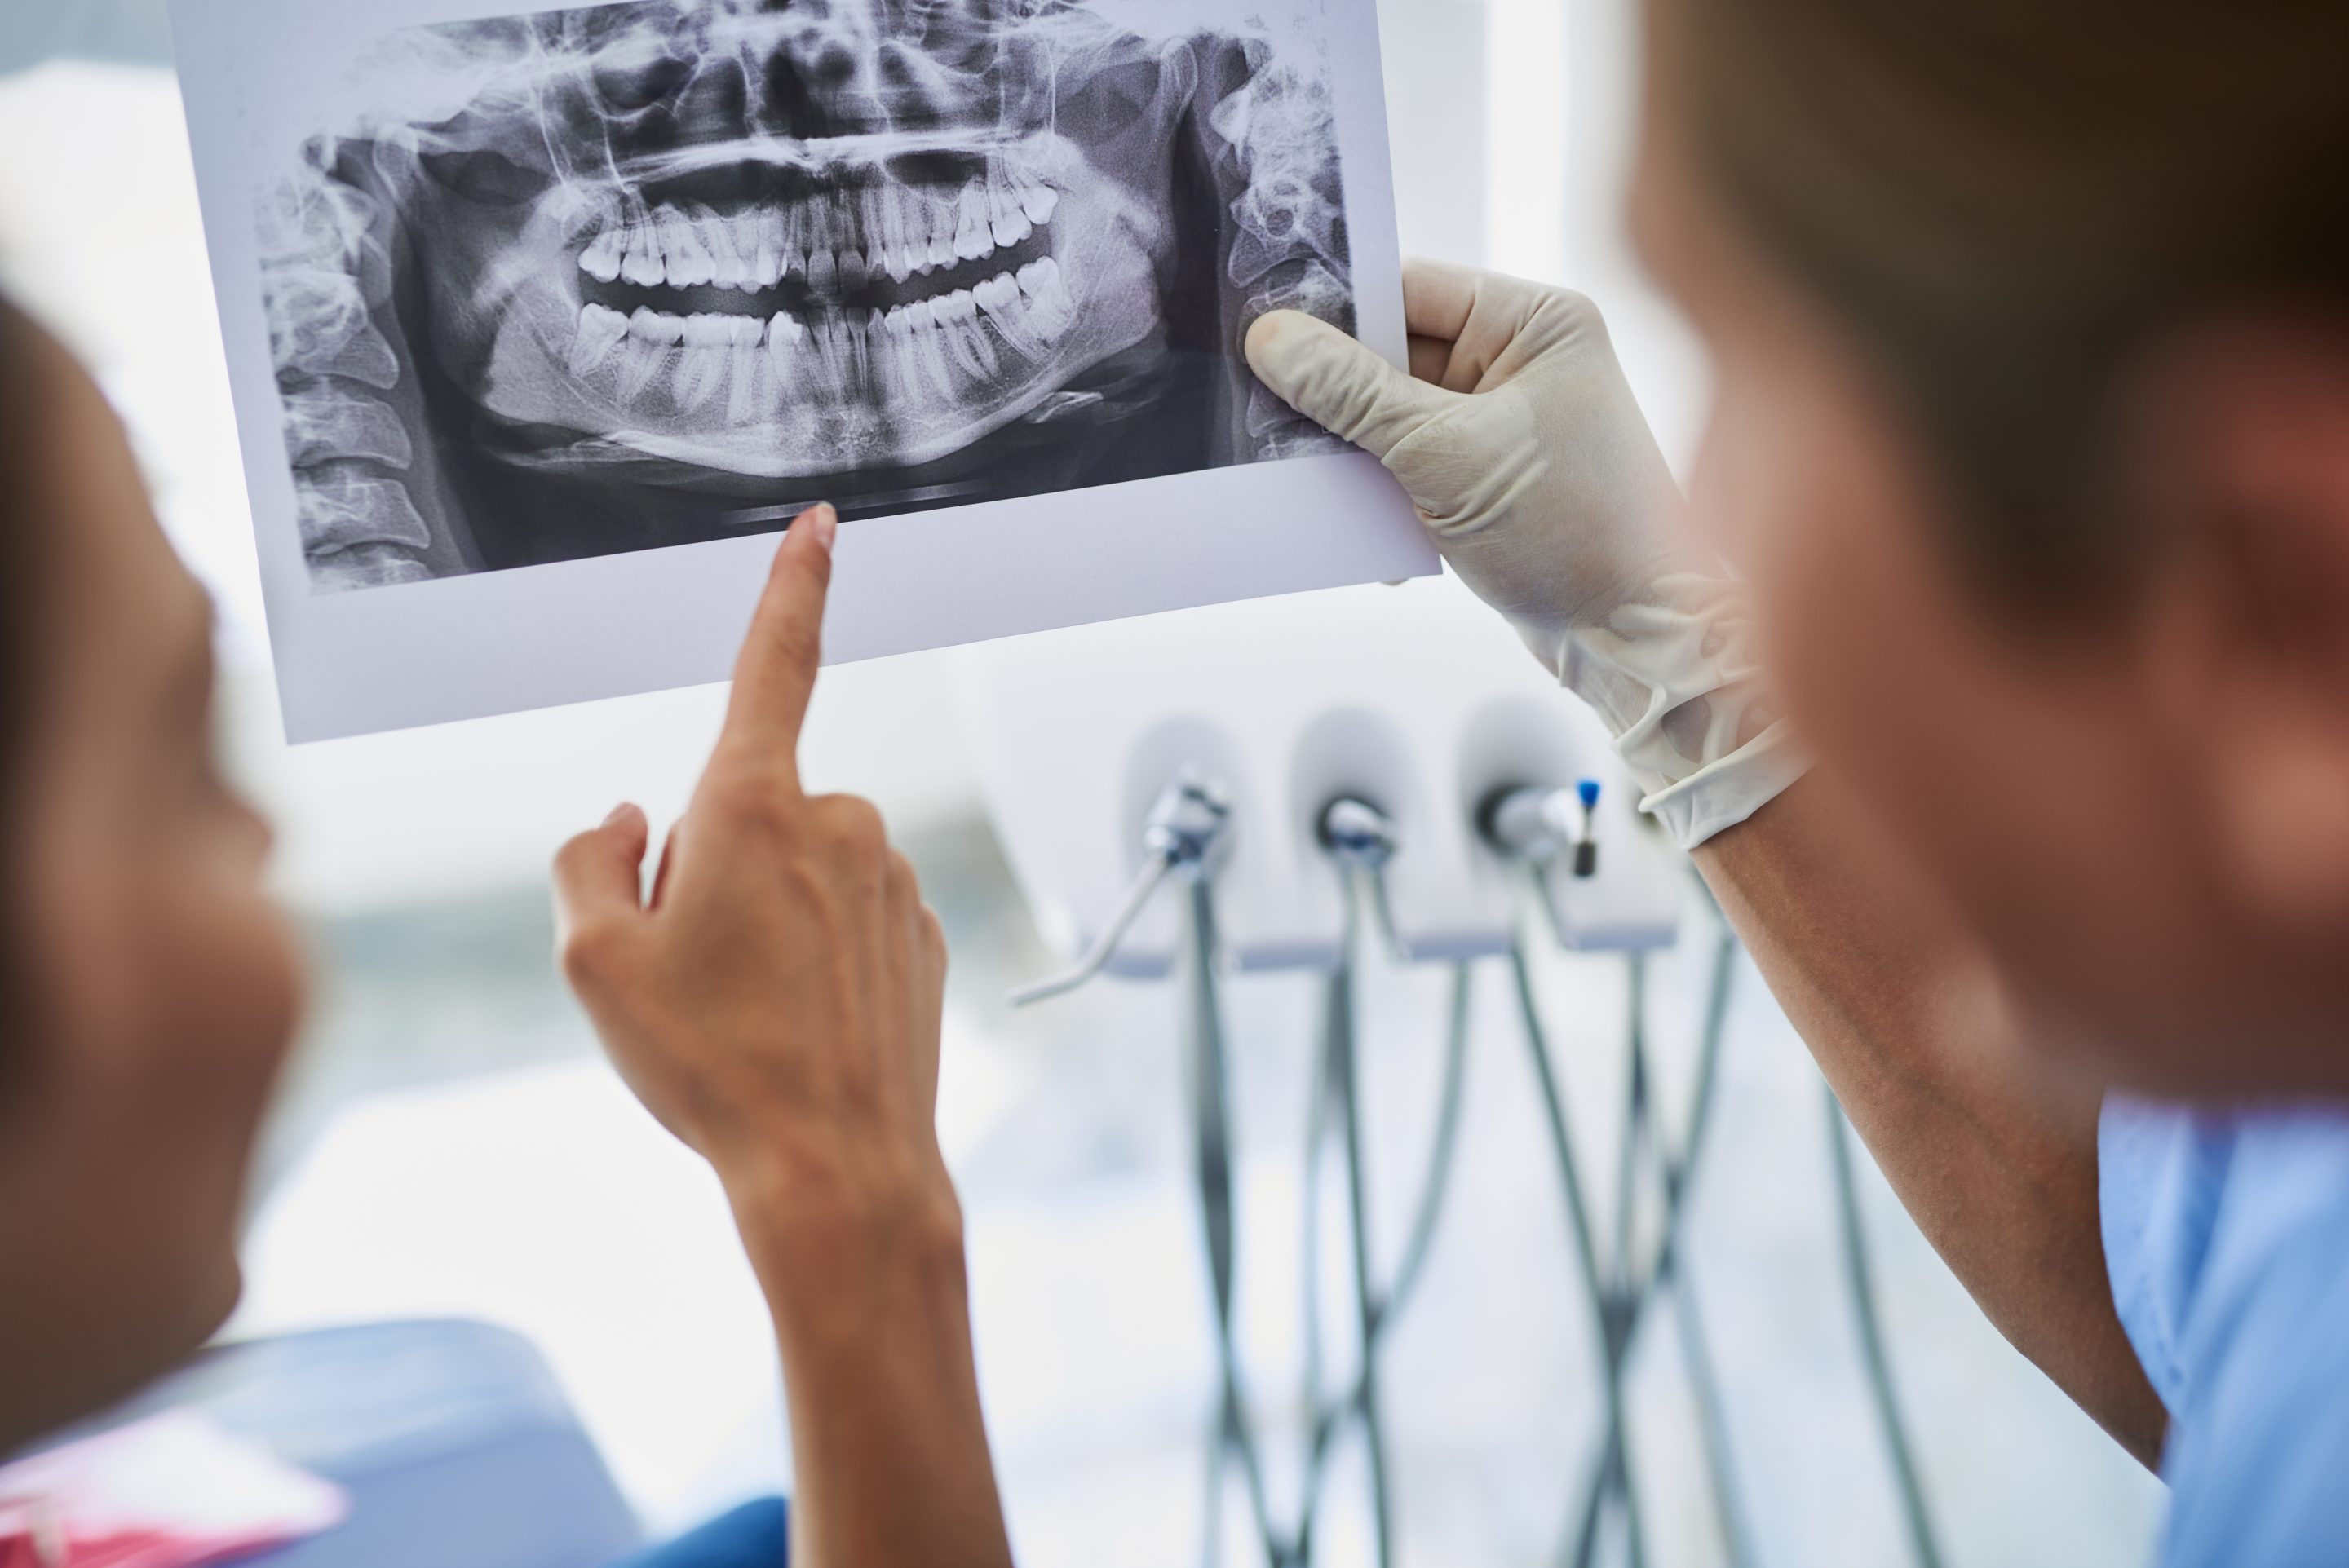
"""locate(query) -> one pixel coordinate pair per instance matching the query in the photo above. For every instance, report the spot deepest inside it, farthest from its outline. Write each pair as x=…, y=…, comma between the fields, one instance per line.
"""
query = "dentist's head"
x=2031, y=432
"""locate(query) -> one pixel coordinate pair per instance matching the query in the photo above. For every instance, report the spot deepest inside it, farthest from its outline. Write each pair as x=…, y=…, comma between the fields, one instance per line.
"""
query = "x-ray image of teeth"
x=600, y=280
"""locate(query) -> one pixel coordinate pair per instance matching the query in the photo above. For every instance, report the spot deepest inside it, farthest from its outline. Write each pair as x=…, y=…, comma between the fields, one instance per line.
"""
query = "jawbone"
x=795, y=377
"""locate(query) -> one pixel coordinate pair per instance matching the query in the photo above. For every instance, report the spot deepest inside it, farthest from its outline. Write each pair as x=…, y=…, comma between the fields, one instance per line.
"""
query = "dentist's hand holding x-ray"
x=1518, y=439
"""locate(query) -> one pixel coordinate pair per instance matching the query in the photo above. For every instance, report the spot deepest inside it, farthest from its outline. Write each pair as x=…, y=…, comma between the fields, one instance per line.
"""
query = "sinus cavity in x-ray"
x=590, y=281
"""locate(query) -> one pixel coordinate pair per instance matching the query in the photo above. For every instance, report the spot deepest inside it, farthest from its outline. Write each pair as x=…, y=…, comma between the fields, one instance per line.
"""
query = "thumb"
x=1339, y=384
x=598, y=876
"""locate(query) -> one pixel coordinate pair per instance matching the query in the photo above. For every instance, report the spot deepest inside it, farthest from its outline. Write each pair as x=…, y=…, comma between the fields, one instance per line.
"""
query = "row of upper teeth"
x=1031, y=307
x=836, y=243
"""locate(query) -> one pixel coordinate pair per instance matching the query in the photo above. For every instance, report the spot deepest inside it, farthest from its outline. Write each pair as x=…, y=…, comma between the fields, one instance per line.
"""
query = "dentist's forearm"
x=1994, y=1157
x=890, y=1454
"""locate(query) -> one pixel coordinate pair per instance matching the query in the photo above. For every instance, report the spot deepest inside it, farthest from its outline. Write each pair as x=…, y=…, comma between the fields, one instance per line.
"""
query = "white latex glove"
x=1519, y=441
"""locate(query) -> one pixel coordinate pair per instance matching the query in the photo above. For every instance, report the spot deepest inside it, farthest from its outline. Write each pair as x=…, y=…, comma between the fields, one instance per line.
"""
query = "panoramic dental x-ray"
x=583, y=282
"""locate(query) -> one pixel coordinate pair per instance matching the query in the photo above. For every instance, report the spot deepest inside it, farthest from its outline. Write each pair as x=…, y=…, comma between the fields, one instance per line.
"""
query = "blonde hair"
x=2009, y=201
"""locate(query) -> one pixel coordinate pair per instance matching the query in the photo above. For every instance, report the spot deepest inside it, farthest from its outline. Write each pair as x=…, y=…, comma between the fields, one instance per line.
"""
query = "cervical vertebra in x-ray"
x=600, y=280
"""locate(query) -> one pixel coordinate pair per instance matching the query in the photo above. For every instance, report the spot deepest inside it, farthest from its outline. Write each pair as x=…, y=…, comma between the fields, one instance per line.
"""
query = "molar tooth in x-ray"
x=783, y=335
x=641, y=264
x=703, y=361
x=942, y=211
x=651, y=336
x=928, y=353
x=601, y=329
x=1006, y=222
x=656, y=327
x=743, y=237
x=769, y=248
x=601, y=258
x=1000, y=298
x=700, y=373
x=639, y=362
x=935, y=229
x=978, y=346
x=1040, y=281
x=1036, y=201
x=728, y=270
x=667, y=228
x=971, y=238
x=690, y=264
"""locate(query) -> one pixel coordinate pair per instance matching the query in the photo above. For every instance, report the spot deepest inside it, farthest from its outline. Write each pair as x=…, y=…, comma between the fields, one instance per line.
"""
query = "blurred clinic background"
x=451, y=1143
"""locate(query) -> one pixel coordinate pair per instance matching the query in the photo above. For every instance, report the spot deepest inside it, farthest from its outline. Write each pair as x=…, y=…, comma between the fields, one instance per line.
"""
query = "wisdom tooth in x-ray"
x=590, y=281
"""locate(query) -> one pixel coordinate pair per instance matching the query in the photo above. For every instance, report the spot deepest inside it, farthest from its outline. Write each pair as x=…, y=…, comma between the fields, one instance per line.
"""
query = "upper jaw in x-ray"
x=648, y=272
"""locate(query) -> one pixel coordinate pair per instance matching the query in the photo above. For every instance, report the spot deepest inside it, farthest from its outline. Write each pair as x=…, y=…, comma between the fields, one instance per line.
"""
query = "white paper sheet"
x=974, y=269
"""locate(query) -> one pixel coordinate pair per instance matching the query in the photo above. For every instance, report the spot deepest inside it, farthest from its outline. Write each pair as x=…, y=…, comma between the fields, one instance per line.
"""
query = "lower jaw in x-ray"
x=492, y=355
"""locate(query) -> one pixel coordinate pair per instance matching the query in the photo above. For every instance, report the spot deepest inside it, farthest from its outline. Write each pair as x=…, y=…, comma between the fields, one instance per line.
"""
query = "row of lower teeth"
x=892, y=230
x=1030, y=309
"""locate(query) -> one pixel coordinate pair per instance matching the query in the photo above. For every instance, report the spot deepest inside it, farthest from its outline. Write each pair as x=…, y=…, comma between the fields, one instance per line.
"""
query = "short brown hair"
x=2007, y=201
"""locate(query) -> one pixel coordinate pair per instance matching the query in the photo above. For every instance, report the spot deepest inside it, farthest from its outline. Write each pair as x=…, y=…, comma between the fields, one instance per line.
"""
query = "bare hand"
x=775, y=1001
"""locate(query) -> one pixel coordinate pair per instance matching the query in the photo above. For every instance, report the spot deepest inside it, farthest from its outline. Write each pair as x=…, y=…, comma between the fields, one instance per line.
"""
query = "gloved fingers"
x=1440, y=301
x=1429, y=355
x=1473, y=330
x=1437, y=297
x=1478, y=317
x=1338, y=383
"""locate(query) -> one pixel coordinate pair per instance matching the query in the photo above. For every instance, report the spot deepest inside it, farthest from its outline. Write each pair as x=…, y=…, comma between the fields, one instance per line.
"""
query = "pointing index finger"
x=775, y=674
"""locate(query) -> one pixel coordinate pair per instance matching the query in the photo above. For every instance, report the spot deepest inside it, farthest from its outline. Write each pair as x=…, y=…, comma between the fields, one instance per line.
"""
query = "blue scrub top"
x=2227, y=1238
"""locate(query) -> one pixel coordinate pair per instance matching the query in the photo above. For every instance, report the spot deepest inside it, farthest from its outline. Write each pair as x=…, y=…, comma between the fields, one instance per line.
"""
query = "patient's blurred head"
x=2031, y=326
x=149, y=988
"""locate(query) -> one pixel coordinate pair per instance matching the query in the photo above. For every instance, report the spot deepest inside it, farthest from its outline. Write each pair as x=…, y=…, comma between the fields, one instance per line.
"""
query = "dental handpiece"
x=1544, y=824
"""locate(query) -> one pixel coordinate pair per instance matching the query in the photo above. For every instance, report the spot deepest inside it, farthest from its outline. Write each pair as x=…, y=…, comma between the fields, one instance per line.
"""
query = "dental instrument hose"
x=1329, y=1419
x=1615, y=1457
x=1860, y=1277
x=1234, y=1434
x=1375, y=1311
x=1336, y=1079
x=1345, y=1084
x=1670, y=1269
x=1673, y=1270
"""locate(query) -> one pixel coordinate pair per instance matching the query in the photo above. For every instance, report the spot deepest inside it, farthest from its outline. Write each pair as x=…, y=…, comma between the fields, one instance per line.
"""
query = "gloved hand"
x=1518, y=439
